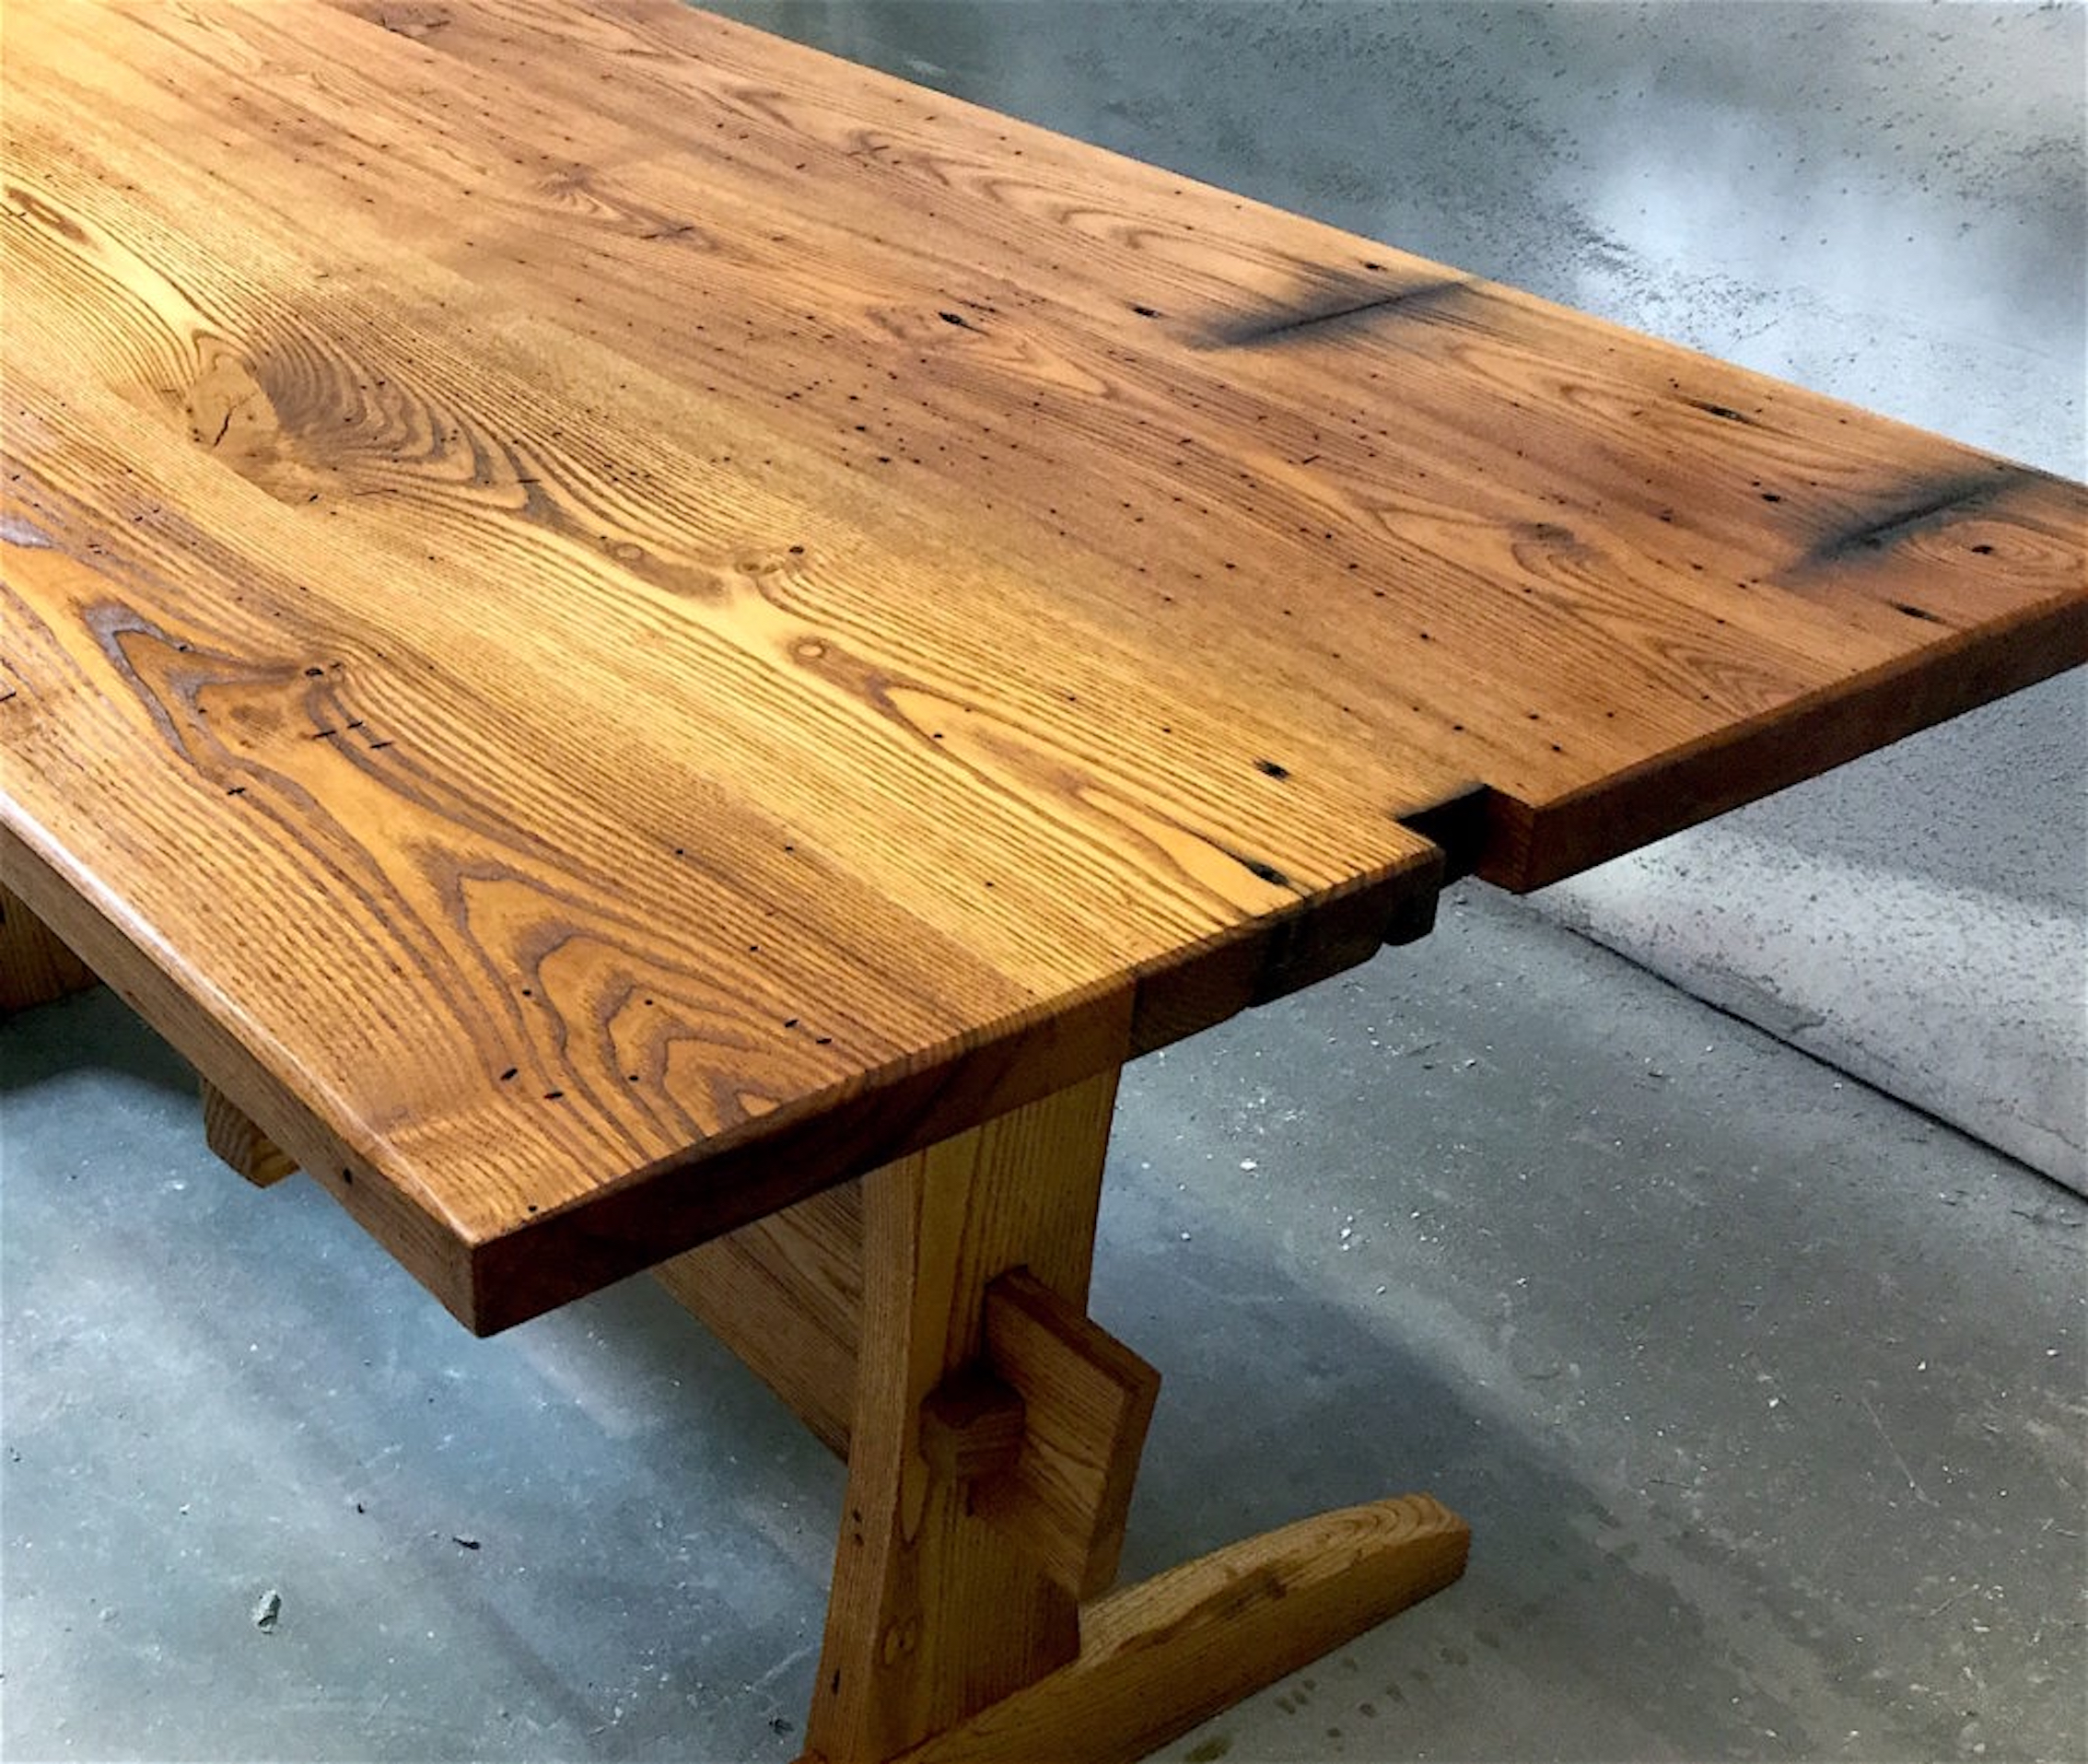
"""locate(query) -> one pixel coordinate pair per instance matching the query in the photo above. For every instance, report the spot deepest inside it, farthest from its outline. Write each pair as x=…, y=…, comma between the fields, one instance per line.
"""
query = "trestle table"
x=654, y=650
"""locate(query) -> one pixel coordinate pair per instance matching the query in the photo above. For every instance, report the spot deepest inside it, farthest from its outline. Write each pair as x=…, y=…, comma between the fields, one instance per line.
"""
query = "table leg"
x=992, y=1433
x=35, y=967
x=956, y=1629
x=936, y=1613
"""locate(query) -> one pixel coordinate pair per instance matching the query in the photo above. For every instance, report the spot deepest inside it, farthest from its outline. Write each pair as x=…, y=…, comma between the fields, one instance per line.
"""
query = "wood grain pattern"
x=241, y=1144
x=972, y=1426
x=785, y=1294
x=601, y=678
x=1160, y=1656
x=35, y=967
x=935, y=1612
x=1087, y=1400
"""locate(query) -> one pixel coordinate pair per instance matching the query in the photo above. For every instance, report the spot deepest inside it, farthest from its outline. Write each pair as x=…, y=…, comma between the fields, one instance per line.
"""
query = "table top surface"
x=610, y=620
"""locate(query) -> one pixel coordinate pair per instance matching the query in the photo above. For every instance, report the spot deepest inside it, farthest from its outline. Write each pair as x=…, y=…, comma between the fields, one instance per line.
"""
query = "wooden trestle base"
x=929, y=1322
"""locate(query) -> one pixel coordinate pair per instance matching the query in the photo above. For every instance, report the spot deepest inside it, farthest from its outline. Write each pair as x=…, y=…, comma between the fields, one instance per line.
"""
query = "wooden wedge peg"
x=1049, y=1431
x=972, y=1426
x=236, y=1139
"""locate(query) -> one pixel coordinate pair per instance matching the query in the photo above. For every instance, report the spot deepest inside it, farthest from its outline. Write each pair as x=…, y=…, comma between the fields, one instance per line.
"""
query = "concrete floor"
x=1763, y=1392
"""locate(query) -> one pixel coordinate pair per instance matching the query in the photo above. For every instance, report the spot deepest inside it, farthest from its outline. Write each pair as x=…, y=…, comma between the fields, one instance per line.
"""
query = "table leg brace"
x=992, y=1441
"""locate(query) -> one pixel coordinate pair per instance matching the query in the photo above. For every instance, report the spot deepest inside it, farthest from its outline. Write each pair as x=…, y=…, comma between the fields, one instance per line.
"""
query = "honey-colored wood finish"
x=936, y=1612
x=785, y=1294
x=1160, y=1656
x=972, y=1426
x=242, y=1145
x=1086, y=1401
x=953, y=1630
x=612, y=624
x=611, y=676
x=994, y=1439
x=35, y=967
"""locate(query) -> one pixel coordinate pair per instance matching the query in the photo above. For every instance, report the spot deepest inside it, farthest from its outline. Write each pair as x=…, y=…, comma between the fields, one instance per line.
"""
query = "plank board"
x=611, y=620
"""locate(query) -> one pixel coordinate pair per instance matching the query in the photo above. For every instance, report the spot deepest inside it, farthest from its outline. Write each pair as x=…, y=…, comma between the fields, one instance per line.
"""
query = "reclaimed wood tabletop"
x=610, y=620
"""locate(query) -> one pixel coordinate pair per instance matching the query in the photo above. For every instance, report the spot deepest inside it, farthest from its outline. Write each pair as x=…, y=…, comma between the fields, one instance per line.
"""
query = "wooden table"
x=654, y=650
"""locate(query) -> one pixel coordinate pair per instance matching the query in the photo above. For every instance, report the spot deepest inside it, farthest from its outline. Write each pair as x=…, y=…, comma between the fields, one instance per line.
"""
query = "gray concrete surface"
x=1887, y=203
x=1765, y=1393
